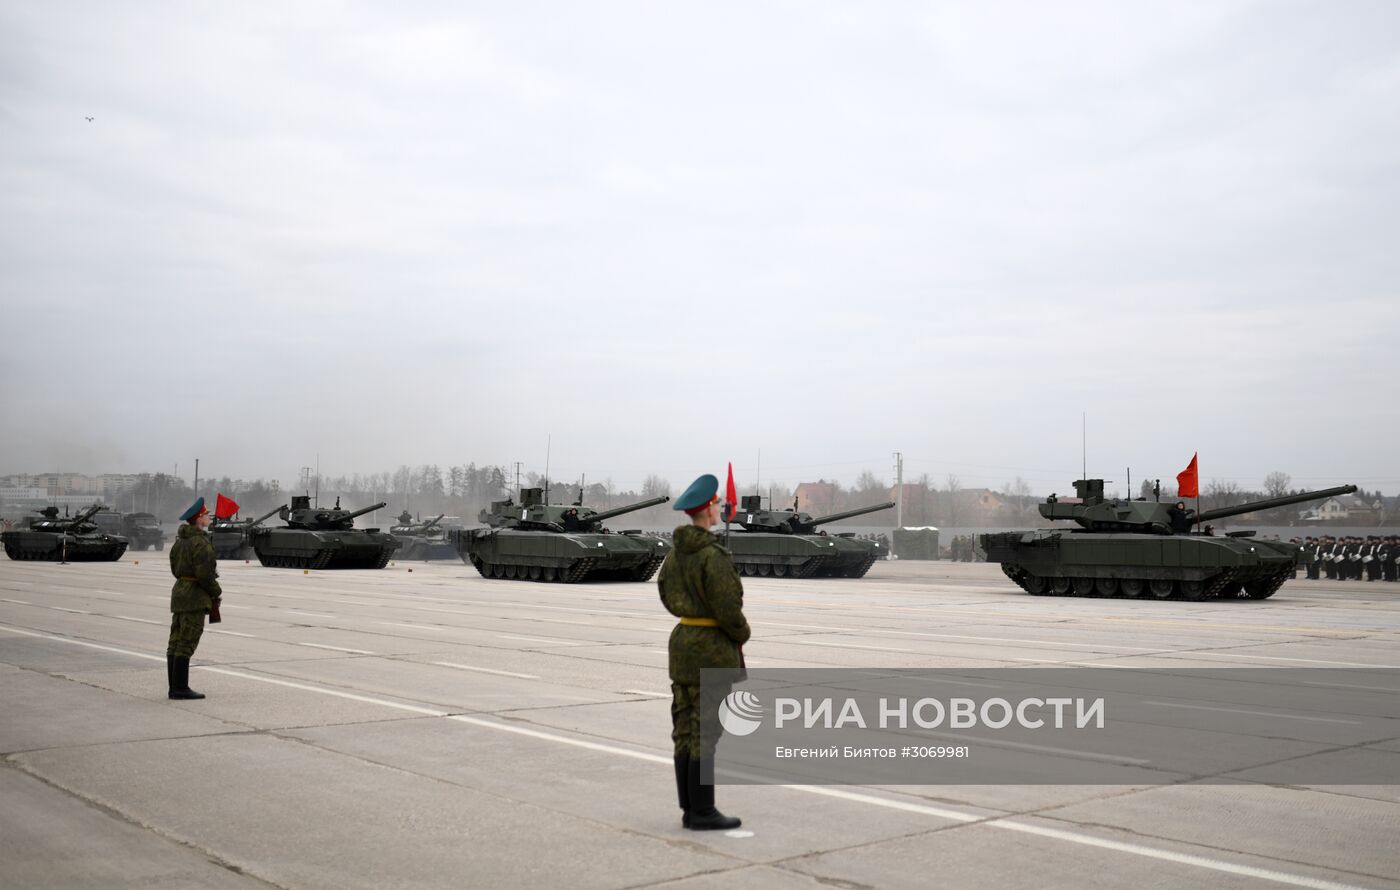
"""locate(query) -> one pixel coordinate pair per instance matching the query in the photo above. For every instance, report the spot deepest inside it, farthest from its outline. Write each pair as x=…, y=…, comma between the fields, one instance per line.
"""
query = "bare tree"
x=654, y=486
x=1222, y=493
x=1276, y=483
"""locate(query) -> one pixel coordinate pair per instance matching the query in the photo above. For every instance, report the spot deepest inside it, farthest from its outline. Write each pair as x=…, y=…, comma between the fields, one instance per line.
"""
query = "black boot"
x=683, y=787
x=169, y=675
x=182, y=688
x=703, y=815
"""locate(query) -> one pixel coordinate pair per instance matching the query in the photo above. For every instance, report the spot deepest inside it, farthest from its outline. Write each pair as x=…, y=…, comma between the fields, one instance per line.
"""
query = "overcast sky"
x=662, y=236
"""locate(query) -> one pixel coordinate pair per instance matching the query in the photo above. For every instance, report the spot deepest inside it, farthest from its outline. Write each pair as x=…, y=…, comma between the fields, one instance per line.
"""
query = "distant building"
x=816, y=497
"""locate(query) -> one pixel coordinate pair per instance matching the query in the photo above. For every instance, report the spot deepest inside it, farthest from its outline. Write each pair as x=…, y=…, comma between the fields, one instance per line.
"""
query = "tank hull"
x=528, y=555
x=231, y=544
x=803, y=556
x=1058, y=562
x=51, y=547
x=294, y=548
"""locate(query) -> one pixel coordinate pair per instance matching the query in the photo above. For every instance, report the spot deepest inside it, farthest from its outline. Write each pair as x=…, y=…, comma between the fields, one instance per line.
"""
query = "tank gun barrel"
x=626, y=508
x=268, y=515
x=847, y=514
x=434, y=521
x=84, y=514
x=358, y=513
x=1270, y=503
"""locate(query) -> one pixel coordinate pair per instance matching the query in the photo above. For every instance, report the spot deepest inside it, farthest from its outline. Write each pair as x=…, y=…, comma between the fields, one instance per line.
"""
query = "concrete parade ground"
x=423, y=727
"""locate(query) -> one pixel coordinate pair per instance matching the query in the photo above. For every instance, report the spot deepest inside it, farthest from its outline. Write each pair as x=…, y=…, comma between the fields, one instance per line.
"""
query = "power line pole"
x=898, y=494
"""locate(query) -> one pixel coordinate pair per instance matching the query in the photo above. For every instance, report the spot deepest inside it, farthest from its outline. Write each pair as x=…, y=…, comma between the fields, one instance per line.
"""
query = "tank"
x=73, y=538
x=232, y=538
x=317, y=538
x=789, y=544
x=1128, y=548
x=422, y=540
x=535, y=541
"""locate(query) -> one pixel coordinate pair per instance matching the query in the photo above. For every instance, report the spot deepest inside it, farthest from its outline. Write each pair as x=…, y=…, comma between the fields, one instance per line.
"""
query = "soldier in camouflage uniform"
x=701, y=587
x=195, y=594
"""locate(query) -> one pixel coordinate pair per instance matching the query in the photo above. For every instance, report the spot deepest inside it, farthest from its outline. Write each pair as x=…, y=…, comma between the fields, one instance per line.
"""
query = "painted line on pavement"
x=853, y=646
x=309, y=614
x=16, y=602
x=140, y=620
x=337, y=648
x=1281, y=658
x=439, y=630
x=232, y=633
x=538, y=640
x=468, y=667
x=1204, y=862
x=1167, y=704
x=647, y=694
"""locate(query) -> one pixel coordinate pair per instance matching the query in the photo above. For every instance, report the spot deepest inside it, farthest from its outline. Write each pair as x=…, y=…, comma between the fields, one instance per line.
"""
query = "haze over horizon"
x=651, y=239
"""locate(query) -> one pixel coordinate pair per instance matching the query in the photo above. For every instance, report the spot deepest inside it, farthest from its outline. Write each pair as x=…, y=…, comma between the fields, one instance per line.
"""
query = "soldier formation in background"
x=1373, y=558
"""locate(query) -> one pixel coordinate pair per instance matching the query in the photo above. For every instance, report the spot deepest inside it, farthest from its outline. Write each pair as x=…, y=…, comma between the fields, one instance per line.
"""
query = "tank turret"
x=752, y=517
x=534, y=514
x=303, y=515
x=1096, y=513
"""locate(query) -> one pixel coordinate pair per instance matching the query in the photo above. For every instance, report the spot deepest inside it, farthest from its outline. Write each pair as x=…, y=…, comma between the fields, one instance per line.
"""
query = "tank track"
x=808, y=569
x=18, y=553
x=1223, y=586
x=860, y=570
x=645, y=571
x=575, y=572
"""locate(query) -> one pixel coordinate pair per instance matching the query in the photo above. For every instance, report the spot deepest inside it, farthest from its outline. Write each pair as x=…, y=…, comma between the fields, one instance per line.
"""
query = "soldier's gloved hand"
x=214, y=616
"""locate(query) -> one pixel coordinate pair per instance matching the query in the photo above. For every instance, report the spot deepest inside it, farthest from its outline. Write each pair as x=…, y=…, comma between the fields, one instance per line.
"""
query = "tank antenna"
x=1084, y=444
x=548, y=441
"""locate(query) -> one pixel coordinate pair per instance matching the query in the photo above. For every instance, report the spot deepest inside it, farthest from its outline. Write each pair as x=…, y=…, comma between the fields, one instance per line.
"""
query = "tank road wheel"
x=1133, y=586
x=1161, y=588
x=1193, y=590
x=1035, y=585
x=1083, y=586
x=764, y=569
x=498, y=570
x=780, y=571
x=535, y=573
x=548, y=573
x=1106, y=586
x=1059, y=586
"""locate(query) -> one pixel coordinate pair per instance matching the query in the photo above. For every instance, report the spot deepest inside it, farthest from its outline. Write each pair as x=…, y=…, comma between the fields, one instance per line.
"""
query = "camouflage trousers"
x=185, y=630
x=693, y=734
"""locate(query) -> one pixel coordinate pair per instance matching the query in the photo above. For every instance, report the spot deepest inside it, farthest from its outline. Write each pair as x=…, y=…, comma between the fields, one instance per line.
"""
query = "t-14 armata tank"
x=1129, y=548
x=422, y=540
x=72, y=539
x=787, y=543
x=232, y=538
x=536, y=541
x=315, y=538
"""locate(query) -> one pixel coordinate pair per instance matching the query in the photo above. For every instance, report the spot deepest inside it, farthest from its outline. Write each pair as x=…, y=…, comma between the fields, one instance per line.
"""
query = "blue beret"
x=195, y=509
x=700, y=493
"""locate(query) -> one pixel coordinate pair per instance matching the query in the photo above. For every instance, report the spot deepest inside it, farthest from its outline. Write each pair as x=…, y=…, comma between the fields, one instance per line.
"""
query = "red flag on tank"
x=731, y=495
x=224, y=508
x=1188, y=481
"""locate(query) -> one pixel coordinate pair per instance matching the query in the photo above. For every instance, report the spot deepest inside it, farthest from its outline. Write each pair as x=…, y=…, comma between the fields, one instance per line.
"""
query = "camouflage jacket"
x=192, y=557
x=698, y=580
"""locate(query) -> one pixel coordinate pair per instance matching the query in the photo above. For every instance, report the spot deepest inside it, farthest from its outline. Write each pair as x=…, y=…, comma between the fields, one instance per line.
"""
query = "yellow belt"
x=698, y=622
